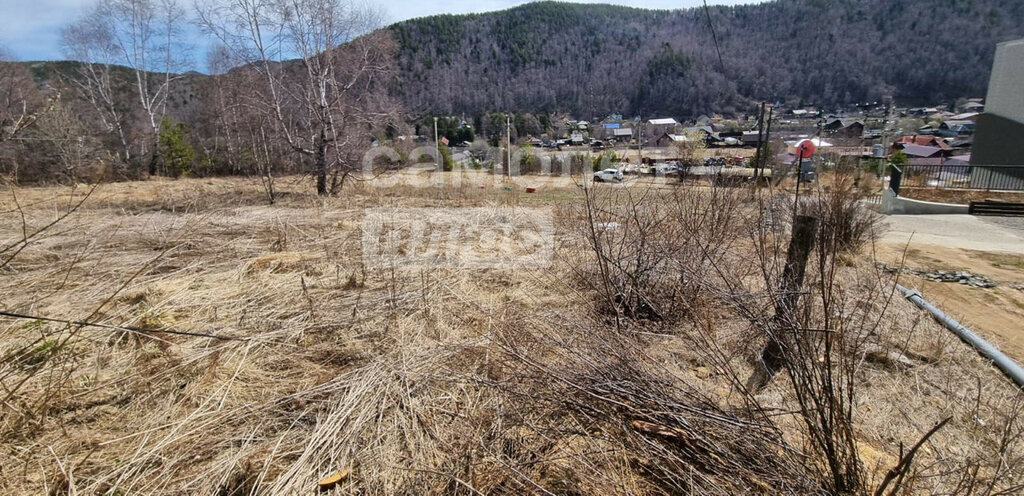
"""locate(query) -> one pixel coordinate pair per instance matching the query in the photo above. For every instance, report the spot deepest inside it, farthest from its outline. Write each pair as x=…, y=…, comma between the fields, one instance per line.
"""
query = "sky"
x=30, y=29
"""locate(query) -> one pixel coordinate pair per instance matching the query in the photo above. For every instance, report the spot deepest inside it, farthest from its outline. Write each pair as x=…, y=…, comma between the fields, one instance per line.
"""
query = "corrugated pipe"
x=1009, y=367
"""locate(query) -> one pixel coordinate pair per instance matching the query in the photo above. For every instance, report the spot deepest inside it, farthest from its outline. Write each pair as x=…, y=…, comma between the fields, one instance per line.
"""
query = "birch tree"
x=21, y=102
x=323, y=78
x=146, y=37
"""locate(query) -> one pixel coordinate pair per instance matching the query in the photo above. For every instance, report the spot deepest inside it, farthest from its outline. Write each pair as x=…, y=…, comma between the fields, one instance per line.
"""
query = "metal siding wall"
x=1005, y=94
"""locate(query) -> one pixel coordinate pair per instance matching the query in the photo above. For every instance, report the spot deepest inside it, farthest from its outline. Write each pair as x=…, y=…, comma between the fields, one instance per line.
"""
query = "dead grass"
x=958, y=196
x=1002, y=260
x=421, y=382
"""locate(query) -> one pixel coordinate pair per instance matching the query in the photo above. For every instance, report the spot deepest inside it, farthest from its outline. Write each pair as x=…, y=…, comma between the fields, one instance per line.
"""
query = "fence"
x=988, y=178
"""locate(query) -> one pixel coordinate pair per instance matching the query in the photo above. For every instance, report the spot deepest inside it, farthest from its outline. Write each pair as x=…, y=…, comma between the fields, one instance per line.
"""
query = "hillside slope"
x=595, y=59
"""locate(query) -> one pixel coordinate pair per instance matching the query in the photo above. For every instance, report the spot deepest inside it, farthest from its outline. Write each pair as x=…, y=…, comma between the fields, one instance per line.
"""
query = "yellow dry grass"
x=403, y=380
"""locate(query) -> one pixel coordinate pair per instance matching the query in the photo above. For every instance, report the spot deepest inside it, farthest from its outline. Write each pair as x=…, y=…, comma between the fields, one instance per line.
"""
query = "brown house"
x=845, y=128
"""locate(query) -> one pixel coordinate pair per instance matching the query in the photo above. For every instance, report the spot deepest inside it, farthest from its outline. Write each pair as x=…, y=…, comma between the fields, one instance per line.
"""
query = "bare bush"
x=846, y=226
x=654, y=250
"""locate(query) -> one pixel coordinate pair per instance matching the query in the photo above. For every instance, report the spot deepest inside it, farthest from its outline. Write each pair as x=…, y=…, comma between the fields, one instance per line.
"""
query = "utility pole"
x=437, y=147
x=886, y=133
x=760, y=141
x=508, y=131
x=767, y=140
x=640, y=143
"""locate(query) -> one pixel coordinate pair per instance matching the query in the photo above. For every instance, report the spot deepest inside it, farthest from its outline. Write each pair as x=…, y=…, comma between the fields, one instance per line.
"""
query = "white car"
x=608, y=176
x=666, y=169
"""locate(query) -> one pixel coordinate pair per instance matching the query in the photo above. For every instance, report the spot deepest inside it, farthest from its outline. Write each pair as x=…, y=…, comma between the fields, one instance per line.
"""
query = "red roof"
x=925, y=140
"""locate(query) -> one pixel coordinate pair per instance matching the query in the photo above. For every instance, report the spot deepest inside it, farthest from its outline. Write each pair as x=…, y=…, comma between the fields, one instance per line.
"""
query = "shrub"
x=176, y=153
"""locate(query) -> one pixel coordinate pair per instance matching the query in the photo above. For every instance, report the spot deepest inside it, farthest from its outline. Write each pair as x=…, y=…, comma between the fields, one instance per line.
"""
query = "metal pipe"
x=1012, y=369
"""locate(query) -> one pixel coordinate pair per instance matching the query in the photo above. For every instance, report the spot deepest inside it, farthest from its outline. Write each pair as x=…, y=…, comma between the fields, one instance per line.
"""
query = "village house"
x=709, y=134
x=924, y=140
x=622, y=135
x=966, y=116
x=663, y=125
x=666, y=140
x=918, y=151
x=845, y=128
x=655, y=129
x=960, y=127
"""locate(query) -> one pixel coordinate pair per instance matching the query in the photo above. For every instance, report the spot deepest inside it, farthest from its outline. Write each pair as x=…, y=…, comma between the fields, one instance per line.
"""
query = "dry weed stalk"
x=443, y=381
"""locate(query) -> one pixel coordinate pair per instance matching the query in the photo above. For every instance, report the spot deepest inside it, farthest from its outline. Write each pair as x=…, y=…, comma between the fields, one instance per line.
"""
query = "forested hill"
x=591, y=60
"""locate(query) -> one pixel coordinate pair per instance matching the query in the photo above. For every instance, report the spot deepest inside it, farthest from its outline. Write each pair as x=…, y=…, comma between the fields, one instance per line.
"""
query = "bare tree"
x=691, y=148
x=146, y=37
x=21, y=102
x=237, y=122
x=64, y=136
x=328, y=101
x=95, y=82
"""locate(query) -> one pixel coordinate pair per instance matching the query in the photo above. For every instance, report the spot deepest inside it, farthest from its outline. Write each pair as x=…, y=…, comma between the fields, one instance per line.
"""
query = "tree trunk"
x=154, y=158
x=773, y=356
x=321, y=165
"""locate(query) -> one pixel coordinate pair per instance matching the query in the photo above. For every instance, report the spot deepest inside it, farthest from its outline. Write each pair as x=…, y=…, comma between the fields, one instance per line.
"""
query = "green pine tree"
x=176, y=153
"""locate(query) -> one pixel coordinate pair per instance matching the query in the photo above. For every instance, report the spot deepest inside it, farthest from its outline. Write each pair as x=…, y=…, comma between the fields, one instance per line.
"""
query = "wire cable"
x=707, y=12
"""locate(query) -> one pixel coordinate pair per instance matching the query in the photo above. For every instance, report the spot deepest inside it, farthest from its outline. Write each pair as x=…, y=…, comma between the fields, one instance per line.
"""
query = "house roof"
x=962, y=142
x=925, y=161
x=966, y=116
x=924, y=140
x=845, y=122
x=697, y=129
x=818, y=142
x=622, y=131
x=921, y=151
x=663, y=122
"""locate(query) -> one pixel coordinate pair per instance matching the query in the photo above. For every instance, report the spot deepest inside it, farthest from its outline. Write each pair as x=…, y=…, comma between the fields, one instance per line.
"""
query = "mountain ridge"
x=593, y=59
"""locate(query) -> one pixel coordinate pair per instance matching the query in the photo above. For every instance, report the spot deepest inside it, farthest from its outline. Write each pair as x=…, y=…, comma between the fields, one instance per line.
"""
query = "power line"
x=711, y=25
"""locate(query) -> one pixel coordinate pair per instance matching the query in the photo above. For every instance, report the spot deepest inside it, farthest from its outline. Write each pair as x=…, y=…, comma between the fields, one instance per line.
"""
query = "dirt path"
x=954, y=231
x=993, y=248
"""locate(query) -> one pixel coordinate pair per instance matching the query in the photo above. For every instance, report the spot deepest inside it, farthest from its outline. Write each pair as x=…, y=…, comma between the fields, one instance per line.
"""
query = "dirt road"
x=956, y=231
x=987, y=246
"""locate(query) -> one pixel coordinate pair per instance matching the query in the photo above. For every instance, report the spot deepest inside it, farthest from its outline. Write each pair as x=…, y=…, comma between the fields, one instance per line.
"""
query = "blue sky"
x=30, y=29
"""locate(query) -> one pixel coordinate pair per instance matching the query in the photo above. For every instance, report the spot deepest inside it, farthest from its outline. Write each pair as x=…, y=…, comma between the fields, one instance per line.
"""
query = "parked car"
x=632, y=169
x=608, y=176
x=666, y=169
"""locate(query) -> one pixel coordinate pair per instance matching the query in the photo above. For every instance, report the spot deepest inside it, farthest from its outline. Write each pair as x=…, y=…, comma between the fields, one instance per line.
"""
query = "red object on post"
x=805, y=149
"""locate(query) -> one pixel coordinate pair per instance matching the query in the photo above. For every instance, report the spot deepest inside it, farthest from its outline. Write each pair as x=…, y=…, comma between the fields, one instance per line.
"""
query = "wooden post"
x=773, y=356
x=760, y=138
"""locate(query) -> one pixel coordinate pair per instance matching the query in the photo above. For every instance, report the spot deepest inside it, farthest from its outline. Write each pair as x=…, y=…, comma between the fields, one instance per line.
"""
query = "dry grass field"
x=263, y=354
